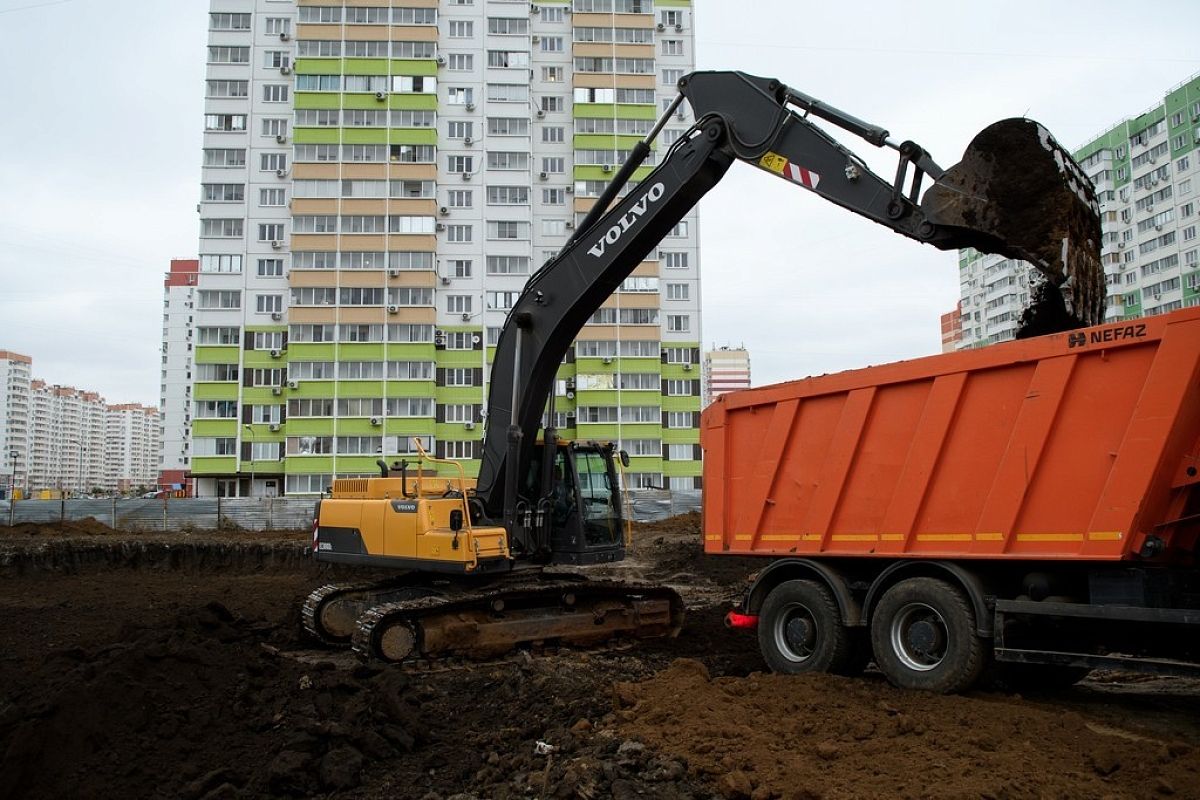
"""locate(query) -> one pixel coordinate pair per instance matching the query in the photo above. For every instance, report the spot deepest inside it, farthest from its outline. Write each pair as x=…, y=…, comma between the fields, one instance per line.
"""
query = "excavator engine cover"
x=1024, y=194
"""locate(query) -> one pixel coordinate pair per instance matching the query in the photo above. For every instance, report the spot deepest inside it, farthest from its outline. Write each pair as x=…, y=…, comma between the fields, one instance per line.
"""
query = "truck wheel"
x=923, y=635
x=800, y=630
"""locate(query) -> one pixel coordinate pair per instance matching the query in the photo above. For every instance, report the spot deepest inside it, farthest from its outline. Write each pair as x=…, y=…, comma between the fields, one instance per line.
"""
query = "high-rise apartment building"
x=380, y=179
x=178, y=363
x=726, y=369
x=131, y=445
x=1147, y=177
x=67, y=439
x=15, y=379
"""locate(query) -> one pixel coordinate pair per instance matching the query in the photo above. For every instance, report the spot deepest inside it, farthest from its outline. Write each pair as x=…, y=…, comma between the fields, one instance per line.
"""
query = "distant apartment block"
x=1147, y=176
x=63, y=438
x=379, y=181
x=726, y=369
x=175, y=388
x=15, y=379
x=952, y=329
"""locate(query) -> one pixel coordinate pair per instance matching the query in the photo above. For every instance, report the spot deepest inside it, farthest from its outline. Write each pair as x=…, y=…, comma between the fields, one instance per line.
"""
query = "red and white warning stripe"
x=802, y=176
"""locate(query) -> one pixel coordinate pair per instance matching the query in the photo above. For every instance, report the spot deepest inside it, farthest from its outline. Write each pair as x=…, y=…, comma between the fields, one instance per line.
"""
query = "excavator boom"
x=1015, y=192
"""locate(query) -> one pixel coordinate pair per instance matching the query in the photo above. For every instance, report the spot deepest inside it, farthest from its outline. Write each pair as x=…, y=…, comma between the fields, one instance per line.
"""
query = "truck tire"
x=800, y=630
x=923, y=636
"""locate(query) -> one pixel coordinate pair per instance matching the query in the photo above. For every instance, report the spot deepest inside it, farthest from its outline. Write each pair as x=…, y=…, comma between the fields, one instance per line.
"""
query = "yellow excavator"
x=484, y=566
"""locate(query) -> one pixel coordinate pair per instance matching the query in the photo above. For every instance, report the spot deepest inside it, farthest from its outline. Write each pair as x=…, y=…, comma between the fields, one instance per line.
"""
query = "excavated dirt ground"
x=147, y=666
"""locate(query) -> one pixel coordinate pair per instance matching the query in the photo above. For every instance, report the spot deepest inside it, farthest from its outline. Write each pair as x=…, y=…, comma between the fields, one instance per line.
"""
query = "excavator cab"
x=583, y=507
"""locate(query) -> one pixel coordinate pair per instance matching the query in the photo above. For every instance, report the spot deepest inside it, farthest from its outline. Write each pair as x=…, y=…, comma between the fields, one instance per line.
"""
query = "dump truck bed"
x=1077, y=445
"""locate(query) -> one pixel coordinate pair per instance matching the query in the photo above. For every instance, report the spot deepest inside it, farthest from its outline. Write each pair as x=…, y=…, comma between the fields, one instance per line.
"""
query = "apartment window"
x=226, y=373
x=465, y=164
x=220, y=263
x=551, y=103
x=319, y=14
x=274, y=127
x=361, y=370
x=229, y=55
x=508, y=26
x=311, y=333
x=458, y=304
x=507, y=160
x=680, y=230
x=460, y=268
x=224, y=157
x=272, y=197
x=315, y=223
x=678, y=323
x=585, y=95
x=274, y=59
x=224, y=123
x=411, y=370
x=272, y=162
x=459, y=412
x=219, y=336
x=318, y=48
x=277, y=25
x=221, y=228
x=218, y=299
x=508, y=265
x=461, y=62
x=408, y=296
x=508, y=195
x=502, y=301
x=458, y=233
x=322, y=117
x=269, y=303
x=554, y=197
x=319, y=83
x=223, y=192
x=309, y=446
x=460, y=129
x=508, y=126
x=408, y=260
x=552, y=133
x=554, y=165
x=679, y=388
x=553, y=75
x=350, y=332
x=554, y=227
x=220, y=446
x=677, y=291
x=460, y=376
x=461, y=29
x=681, y=419
x=673, y=259
x=266, y=414
x=270, y=232
x=460, y=340
x=229, y=22
x=358, y=296
x=460, y=198
x=552, y=44
x=270, y=267
x=553, y=13
x=413, y=85
x=399, y=223
x=460, y=95
x=508, y=92
x=679, y=355
x=228, y=88
x=505, y=229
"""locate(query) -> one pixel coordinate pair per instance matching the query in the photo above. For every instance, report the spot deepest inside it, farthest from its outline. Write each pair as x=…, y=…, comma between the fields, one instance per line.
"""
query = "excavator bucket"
x=1018, y=193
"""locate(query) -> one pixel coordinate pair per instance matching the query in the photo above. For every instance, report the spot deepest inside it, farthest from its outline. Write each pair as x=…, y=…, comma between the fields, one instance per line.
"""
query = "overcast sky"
x=101, y=135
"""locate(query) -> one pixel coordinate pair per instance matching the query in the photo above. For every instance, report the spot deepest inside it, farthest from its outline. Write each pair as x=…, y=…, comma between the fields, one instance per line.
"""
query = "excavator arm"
x=764, y=123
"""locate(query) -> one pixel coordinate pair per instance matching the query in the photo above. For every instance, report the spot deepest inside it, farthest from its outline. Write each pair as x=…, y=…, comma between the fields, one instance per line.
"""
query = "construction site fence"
x=251, y=513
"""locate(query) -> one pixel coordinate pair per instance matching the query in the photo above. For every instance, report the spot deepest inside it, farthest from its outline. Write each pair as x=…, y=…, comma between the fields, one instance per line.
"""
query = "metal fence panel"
x=254, y=513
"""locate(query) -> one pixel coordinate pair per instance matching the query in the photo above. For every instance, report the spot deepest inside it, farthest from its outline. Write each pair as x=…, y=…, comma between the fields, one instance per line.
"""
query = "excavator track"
x=330, y=612
x=492, y=620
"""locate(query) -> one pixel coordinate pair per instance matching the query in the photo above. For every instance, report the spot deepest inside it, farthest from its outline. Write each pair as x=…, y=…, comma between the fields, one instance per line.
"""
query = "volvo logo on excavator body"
x=614, y=234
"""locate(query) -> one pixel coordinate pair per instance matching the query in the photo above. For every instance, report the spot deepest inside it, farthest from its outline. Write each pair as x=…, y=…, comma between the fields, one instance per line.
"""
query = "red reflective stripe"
x=736, y=620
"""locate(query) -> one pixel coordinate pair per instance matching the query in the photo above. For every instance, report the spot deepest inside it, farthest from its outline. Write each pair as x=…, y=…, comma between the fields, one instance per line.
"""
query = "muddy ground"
x=151, y=666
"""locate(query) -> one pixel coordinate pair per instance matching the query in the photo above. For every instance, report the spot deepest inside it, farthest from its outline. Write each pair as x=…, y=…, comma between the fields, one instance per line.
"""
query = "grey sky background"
x=100, y=139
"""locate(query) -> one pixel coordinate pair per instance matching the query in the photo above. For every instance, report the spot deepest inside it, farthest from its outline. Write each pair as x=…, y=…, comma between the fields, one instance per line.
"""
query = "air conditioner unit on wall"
x=273, y=427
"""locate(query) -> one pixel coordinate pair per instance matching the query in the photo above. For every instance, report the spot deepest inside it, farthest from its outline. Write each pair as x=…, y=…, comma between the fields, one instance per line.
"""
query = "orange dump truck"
x=1034, y=502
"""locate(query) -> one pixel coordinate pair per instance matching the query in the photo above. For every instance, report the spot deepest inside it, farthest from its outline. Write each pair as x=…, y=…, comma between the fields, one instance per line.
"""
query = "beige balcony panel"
x=612, y=20
x=607, y=80
x=314, y=205
x=365, y=205
x=301, y=171
x=414, y=33
x=311, y=277
x=612, y=49
x=315, y=241
x=325, y=315
x=422, y=278
x=420, y=242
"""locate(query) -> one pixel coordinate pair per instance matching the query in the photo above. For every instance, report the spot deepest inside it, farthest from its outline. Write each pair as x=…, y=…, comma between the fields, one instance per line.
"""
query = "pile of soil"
x=203, y=707
x=820, y=736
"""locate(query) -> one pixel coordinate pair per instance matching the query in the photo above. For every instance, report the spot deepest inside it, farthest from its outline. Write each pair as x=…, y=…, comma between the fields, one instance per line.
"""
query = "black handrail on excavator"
x=739, y=117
